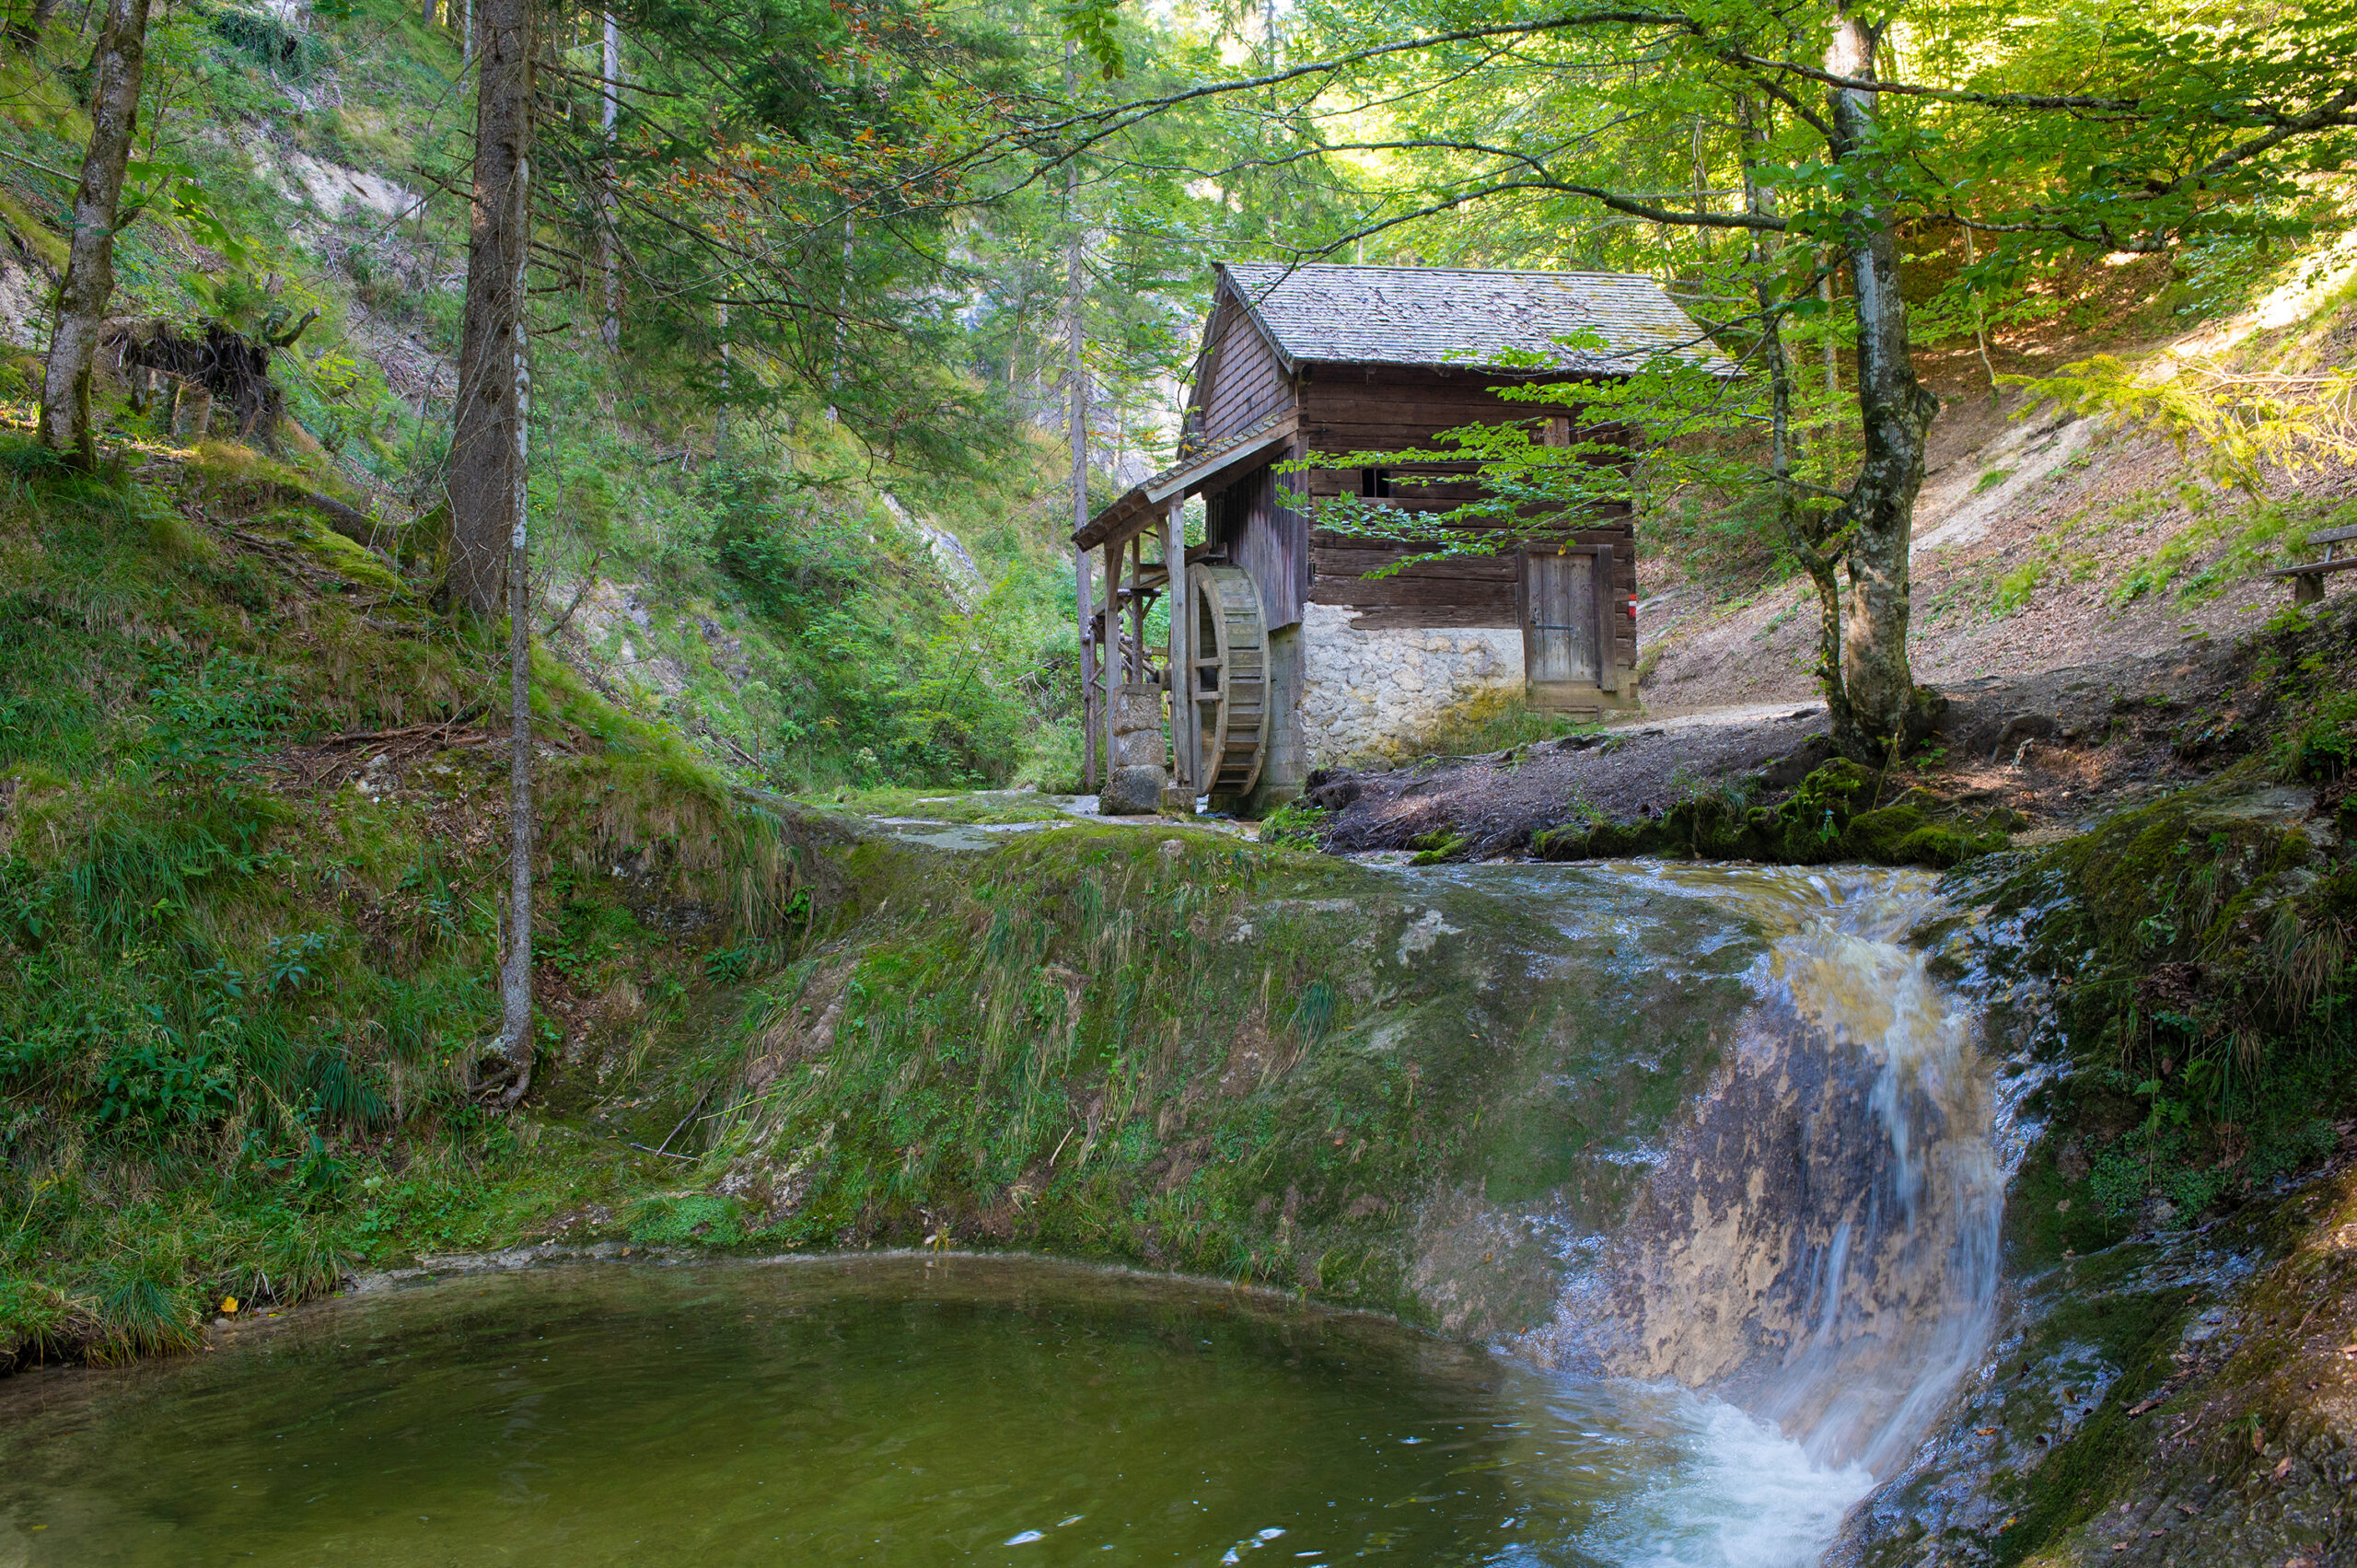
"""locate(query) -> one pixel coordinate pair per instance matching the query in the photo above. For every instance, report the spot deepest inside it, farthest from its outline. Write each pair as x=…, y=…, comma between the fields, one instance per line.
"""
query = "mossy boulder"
x=1438, y=847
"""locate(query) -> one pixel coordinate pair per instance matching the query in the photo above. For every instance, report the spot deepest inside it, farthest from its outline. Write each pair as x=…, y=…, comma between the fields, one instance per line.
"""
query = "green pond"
x=890, y=1410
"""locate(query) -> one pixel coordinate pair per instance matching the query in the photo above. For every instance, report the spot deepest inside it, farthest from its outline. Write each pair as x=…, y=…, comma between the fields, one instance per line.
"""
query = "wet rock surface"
x=2183, y=1397
x=1817, y=1240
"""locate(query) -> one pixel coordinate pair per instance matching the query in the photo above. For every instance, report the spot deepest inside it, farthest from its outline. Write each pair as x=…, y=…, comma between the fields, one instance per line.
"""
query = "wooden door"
x=1559, y=629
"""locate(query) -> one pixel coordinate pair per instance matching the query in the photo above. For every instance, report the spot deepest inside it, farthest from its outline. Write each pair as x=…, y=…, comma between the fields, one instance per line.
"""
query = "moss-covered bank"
x=1835, y=814
x=249, y=845
x=1172, y=1049
x=2182, y=1233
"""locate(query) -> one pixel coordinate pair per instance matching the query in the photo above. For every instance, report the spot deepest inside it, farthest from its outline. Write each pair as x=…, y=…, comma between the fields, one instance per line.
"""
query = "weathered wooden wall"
x=1347, y=408
x=1266, y=538
x=1379, y=408
x=1371, y=408
x=1248, y=383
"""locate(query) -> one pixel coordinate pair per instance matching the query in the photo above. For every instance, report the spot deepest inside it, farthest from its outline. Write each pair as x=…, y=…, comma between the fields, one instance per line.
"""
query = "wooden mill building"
x=1289, y=653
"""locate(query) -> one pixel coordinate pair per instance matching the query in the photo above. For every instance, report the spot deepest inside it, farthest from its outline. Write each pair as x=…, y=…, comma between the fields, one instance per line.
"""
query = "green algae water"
x=893, y=1410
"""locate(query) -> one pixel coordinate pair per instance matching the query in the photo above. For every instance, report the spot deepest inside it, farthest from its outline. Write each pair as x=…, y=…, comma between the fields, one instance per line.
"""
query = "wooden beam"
x=1608, y=644
x=1137, y=511
x=1137, y=610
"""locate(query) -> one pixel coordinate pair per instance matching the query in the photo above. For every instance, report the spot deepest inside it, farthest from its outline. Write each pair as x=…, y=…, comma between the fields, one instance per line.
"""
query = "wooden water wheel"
x=1231, y=677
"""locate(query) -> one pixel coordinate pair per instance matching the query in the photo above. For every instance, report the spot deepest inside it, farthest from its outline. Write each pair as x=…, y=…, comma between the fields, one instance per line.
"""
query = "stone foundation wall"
x=1371, y=692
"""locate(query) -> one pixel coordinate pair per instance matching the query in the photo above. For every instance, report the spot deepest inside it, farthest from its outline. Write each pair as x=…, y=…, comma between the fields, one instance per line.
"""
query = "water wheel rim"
x=1230, y=682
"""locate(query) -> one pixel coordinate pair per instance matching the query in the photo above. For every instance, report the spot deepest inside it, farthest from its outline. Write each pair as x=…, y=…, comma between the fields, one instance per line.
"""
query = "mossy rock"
x=1817, y=824
x=1438, y=847
x=44, y=244
x=1905, y=835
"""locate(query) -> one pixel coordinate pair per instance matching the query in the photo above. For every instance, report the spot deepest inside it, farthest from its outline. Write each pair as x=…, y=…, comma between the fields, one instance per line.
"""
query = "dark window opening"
x=1375, y=482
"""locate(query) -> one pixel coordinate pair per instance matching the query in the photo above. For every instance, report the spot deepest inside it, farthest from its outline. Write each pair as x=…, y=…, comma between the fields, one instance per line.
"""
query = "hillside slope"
x=811, y=612
x=2045, y=540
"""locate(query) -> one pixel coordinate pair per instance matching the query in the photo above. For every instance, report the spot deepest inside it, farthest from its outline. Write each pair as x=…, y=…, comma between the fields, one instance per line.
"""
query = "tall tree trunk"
x=1831, y=350
x=489, y=515
x=1896, y=411
x=1076, y=395
x=486, y=460
x=1076, y=399
x=516, y=974
x=89, y=285
x=609, y=262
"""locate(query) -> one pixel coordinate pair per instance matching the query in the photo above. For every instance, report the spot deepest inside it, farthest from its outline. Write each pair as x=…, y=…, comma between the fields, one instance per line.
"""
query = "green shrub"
x=1296, y=824
x=2016, y=588
x=279, y=47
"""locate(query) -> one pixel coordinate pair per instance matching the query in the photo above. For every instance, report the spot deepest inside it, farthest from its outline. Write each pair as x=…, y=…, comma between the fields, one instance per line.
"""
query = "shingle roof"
x=1444, y=316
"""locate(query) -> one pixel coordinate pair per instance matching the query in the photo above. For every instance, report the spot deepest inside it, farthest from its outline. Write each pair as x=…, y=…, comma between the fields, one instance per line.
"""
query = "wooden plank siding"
x=1389, y=408
x=1346, y=408
x=1267, y=539
x=1248, y=382
x=1462, y=591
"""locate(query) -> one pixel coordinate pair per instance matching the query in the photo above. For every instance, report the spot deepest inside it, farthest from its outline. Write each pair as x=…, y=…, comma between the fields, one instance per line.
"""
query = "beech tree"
x=88, y=284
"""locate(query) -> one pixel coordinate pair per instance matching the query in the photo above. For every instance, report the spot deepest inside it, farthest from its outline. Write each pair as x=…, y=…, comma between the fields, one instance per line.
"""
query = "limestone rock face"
x=1134, y=791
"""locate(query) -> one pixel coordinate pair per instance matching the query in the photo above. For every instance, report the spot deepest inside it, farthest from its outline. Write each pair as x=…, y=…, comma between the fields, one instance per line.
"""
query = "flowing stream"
x=1803, y=1268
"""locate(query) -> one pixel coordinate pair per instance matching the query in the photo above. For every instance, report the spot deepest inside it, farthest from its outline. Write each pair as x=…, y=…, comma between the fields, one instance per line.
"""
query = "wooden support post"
x=1088, y=700
x=1137, y=608
x=1182, y=684
x=1608, y=628
x=1112, y=656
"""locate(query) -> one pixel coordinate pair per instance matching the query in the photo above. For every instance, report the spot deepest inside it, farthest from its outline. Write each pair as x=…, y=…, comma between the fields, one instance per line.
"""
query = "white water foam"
x=1744, y=1496
x=1842, y=1302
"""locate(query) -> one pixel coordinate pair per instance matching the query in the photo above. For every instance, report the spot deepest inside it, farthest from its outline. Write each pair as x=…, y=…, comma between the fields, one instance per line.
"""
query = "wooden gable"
x=1244, y=381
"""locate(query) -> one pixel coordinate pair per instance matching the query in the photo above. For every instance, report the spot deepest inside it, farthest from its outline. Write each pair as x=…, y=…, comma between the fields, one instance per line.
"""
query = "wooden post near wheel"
x=1182, y=687
x=1137, y=610
x=1112, y=656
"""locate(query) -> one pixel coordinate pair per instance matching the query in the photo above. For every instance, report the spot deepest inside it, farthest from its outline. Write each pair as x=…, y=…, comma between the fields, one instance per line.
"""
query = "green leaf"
x=1089, y=23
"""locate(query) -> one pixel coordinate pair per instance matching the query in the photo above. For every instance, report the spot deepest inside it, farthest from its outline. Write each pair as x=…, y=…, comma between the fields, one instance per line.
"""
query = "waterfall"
x=1818, y=1244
